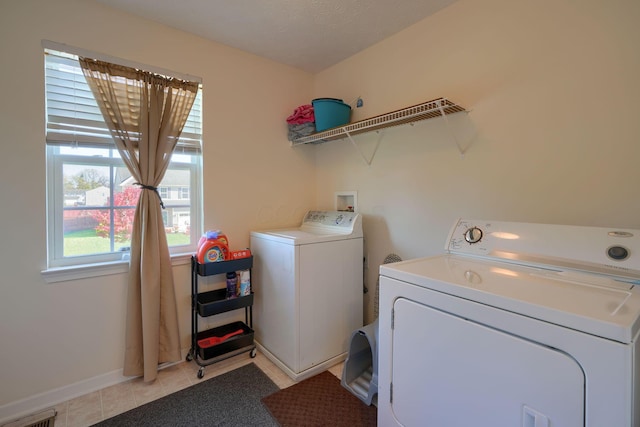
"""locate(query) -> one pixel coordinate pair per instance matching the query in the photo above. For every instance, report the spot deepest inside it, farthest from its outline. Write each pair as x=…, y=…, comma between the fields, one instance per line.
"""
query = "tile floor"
x=91, y=408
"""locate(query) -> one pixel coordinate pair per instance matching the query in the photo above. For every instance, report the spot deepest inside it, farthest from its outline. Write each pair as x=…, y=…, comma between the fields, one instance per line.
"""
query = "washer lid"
x=585, y=302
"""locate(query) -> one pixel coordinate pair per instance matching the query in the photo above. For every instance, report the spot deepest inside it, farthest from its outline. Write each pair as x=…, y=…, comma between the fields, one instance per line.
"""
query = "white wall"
x=55, y=335
x=553, y=90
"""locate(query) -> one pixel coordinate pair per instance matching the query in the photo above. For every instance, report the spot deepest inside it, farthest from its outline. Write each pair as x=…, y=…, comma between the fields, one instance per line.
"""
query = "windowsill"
x=64, y=274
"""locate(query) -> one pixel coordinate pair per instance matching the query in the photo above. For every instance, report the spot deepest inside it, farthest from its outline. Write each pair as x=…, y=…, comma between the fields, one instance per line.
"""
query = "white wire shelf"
x=427, y=110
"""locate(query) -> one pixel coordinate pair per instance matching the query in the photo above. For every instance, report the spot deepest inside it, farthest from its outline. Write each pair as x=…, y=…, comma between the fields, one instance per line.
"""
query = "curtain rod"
x=61, y=47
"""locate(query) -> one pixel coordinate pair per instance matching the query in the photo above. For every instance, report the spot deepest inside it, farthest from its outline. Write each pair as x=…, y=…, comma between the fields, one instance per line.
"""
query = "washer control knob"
x=473, y=235
x=618, y=253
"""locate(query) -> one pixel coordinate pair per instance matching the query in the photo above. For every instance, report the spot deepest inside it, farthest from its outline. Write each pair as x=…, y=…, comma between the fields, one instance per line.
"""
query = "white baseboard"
x=53, y=397
x=48, y=399
x=307, y=373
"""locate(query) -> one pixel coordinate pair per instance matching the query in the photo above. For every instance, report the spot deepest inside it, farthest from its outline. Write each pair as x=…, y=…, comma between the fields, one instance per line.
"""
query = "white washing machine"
x=515, y=325
x=308, y=291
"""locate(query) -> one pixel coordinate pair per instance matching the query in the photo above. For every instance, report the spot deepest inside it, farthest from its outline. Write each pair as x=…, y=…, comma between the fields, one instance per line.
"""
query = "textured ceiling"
x=308, y=34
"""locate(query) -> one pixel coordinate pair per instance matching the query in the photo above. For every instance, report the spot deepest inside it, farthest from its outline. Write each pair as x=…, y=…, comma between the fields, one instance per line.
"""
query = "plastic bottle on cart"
x=212, y=235
x=232, y=284
x=212, y=247
x=245, y=283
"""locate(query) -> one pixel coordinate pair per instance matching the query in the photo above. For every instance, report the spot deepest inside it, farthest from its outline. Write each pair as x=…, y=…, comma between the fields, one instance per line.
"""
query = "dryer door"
x=451, y=371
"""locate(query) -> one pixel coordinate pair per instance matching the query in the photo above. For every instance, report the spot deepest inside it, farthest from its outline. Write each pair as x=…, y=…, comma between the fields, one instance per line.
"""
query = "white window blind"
x=74, y=118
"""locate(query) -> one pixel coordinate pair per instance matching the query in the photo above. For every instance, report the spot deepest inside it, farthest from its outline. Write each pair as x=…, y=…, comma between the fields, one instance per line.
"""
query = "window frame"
x=55, y=202
x=61, y=268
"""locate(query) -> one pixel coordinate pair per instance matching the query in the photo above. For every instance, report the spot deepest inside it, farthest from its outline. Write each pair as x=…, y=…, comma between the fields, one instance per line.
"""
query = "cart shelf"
x=216, y=302
x=236, y=342
x=213, y=268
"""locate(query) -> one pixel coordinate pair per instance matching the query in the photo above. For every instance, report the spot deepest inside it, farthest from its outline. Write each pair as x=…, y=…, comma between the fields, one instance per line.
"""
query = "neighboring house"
x=82, y=219
x=99, y=196
x=174, y=192
x=74, y=197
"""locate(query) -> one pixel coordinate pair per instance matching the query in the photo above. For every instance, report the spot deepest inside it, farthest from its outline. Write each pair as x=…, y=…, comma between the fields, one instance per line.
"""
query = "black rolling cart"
x=215, y=302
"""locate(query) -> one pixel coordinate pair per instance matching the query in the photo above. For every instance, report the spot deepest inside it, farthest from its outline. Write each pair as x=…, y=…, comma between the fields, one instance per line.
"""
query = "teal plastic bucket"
x=330, y=113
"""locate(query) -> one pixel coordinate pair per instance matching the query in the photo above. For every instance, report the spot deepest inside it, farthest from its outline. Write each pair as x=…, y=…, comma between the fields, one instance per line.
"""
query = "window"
x=164, y=192
x=183, y=193
x=91, y=195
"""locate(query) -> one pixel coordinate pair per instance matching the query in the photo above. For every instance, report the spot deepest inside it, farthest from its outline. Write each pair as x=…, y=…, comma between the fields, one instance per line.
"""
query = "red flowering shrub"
x=122, y=218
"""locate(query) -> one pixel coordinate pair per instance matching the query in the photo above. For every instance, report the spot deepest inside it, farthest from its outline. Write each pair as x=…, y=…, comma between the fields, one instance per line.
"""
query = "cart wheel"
x=189, y=357
x=200, y=373
x=253, y=353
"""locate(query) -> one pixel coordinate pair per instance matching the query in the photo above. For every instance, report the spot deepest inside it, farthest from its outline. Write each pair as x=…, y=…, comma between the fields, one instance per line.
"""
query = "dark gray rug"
x=231, y=399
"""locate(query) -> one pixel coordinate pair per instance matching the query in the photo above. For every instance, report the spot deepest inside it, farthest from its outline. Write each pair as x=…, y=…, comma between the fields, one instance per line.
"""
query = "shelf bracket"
x=453, y=134
x=375, y=149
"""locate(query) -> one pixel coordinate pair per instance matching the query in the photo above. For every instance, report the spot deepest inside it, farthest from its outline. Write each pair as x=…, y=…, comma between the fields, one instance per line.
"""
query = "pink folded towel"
x=302, y=114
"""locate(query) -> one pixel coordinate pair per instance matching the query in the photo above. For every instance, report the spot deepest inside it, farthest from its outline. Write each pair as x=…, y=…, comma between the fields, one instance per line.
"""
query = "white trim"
x=50, y=398
x=307, y=373
x=47, y=399
x=64, y=274
x=61, y=47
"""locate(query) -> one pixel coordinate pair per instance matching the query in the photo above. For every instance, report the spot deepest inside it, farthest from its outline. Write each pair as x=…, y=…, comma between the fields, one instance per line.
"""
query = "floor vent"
x=44, y=418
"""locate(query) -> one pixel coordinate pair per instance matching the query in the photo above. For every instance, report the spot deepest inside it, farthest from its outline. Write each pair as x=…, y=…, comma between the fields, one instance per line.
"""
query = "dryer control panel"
x=606, y=251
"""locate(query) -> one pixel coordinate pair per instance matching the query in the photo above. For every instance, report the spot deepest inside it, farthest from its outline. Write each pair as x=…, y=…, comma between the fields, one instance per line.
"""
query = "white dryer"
x=516, y=325
x=308, y=291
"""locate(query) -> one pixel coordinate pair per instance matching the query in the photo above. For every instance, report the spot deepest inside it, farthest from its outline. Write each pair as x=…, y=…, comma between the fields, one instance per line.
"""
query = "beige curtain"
x=146, y=114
